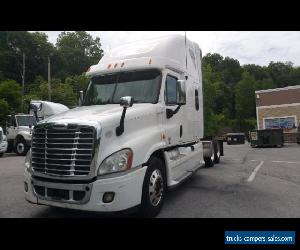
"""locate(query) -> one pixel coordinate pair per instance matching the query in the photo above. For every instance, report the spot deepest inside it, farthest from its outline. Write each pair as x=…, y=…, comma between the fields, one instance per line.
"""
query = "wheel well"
x=160, y=155
x=19, y=137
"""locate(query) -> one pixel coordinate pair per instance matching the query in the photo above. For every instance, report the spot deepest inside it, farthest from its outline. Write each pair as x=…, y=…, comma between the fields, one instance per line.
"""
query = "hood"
x=25, y=128
x=102, y=113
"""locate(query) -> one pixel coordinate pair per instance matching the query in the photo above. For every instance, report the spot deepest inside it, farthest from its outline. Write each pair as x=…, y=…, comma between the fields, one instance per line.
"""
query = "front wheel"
x=21, y=147
x=1, y=154
x=154, y=188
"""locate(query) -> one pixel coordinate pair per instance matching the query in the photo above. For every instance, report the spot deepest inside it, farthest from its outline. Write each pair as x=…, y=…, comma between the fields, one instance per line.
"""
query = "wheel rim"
x=20, y=148
x=156, y=187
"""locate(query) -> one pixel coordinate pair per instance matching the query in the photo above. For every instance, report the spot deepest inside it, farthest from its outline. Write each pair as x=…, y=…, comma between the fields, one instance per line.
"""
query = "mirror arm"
x=120, y=128
x=36, y=116
x=171, y=112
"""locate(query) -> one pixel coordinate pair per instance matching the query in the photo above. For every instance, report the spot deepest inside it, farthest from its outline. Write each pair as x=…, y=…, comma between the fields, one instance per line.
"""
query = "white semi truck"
x=138, y=133
x=19, y=126
x=3, y=142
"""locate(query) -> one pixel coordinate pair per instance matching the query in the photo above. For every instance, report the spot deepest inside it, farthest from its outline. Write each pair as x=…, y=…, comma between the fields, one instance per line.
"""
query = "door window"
x=171, y=90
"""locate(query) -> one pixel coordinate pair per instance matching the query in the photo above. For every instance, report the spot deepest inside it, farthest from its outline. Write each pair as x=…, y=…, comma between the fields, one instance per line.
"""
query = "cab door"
x=174, y=112
x=11, y=131
x=173, y=121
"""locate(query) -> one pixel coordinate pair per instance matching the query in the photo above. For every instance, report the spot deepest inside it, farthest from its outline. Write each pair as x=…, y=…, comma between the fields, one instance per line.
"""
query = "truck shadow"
x=55, y=212
x=8, y=155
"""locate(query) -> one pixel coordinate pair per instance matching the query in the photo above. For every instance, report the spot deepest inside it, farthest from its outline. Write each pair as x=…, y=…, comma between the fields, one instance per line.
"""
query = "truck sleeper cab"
x=137, y=133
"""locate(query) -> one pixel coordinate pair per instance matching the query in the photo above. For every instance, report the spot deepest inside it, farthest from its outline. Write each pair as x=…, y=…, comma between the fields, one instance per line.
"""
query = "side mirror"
x=181, y=92
x=80, y=98
x=126, y=101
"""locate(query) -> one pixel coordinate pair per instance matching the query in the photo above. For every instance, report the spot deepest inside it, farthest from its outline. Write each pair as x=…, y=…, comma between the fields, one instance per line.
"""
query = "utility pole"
x=23, y=83
x=49, y=80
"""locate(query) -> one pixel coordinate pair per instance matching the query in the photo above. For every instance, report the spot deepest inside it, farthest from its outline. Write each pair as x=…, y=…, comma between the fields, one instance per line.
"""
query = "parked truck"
x=3, y=142
x=138, y=132
x=19, y=126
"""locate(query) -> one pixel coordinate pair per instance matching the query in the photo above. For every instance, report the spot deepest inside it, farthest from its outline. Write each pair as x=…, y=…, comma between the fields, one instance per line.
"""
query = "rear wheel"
x=217, y=153
x=21, y=147
x=1, y=154
x=154, y=188
x=209, y=161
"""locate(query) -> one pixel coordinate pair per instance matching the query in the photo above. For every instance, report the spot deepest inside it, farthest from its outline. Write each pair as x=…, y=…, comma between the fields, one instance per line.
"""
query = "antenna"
x=185, y=49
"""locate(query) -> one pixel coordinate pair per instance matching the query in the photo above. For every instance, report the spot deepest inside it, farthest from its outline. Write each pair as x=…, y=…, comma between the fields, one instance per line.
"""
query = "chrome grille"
x=62, y=150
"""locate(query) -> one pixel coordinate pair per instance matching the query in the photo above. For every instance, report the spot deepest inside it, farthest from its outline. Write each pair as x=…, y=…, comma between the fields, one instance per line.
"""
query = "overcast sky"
x=258, y=47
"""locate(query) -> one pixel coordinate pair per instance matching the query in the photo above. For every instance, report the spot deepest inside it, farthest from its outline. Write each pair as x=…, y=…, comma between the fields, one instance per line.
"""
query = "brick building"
x=279, y=108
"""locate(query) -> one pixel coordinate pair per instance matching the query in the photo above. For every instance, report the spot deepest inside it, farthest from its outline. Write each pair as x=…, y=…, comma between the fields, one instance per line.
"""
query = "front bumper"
x=3, y=147
x=127, y=188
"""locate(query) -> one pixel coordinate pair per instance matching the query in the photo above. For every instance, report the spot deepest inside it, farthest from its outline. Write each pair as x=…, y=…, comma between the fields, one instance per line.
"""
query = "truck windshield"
x=26, y=120
x=143, y=86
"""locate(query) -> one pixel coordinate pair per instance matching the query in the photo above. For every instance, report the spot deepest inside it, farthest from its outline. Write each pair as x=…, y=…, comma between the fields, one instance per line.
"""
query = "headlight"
x=119, y=161
x=27, y=159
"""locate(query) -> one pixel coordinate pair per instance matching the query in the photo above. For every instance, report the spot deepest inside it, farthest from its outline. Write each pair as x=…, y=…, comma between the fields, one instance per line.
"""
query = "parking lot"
x=247, y=183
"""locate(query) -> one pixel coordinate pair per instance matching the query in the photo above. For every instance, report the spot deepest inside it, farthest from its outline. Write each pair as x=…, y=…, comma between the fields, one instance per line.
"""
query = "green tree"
x=36, y=48
x=78, y=51
x=4, y=111
x=281, y=73
x=60, y=93
x=231, y=71
x=258, y=72
x=223, y=100
x=212, y=121
x=266, y=83
x=245, y=98
x=77, y=82
x=10, y=91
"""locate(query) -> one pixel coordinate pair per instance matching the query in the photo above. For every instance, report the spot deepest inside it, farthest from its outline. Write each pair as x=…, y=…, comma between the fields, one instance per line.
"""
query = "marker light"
x=109, y=65
x=115, y=65
x=150, y=61
x=122, y=64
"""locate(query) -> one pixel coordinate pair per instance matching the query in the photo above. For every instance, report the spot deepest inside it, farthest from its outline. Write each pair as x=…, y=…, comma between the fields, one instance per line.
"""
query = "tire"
x=155, y=180
x=217, y=153
x=209, y=161
x=21, y=147
x=1, y=155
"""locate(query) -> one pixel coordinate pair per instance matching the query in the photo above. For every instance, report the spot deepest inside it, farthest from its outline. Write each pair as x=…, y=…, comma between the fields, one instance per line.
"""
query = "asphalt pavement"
x=247, y=183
